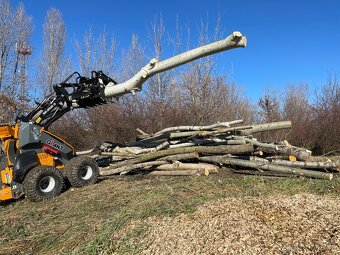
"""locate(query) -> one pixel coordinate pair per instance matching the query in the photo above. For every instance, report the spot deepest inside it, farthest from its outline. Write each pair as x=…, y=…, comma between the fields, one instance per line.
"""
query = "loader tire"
x=81, y=171
x=43, y=183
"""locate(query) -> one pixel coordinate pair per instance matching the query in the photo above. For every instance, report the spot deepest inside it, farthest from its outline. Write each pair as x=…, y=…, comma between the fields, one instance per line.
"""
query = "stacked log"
x=202, y=150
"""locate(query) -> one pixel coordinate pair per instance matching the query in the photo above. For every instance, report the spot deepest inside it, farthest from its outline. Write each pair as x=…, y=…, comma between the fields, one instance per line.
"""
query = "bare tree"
x=8, y=108
x=15, y=31
x=52, y=61
x=133, y=58
x=298, y=110
x=23, y=31
x=269, y=108
x=6, y=40
x=326, y=121
x=157, y=93
x=96, y=53
x=158, y=83
x=205, y=96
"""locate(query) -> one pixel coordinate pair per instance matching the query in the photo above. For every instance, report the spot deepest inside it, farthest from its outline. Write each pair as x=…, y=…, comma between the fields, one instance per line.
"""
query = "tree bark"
x=212, y=143
x=298, y=153
x=221, y=149
x=266, y=166
x=207, y=133
x=142, y=132
x=108, y=171
x=256, y=143
x=158, y=139
x=312, y=165
x=184, y=156
x=175, y=173
x=267, y=127
x=84, y=152
x=188, y=166
x=235, y=40
x=199, y=128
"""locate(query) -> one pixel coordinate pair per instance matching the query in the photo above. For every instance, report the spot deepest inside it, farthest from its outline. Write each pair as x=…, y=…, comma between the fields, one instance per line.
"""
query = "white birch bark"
x=235, y=40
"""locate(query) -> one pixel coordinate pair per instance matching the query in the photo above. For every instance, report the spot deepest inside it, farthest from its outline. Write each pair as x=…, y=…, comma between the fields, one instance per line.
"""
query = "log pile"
x=202, y=150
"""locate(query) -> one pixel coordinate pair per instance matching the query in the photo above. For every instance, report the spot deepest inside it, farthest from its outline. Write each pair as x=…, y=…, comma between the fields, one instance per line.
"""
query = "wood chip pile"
x=203, y=150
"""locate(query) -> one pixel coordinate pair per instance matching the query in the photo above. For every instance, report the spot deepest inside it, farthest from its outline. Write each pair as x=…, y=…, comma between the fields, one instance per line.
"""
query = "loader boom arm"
x=89, y=92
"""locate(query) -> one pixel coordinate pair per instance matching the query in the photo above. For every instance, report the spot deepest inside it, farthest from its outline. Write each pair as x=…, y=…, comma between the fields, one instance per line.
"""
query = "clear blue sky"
x=288, y=41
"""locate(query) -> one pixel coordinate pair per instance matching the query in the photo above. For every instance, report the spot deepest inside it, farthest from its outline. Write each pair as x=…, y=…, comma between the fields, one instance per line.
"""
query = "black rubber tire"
x=36, y=179
x=81, y=171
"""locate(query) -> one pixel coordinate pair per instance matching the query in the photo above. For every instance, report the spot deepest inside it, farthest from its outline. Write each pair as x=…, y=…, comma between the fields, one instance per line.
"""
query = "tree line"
x=192, y=95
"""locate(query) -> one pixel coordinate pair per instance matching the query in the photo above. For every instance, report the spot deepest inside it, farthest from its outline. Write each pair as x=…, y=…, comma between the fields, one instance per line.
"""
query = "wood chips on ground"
x=300, y=224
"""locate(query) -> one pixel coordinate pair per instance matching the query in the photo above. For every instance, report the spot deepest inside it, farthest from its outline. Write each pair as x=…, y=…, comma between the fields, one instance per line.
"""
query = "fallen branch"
x=312, y=165
x=199, y=128
x=84, y=152
x=265, y=166
x=175, y=173
x=221, y=149
x=225, y=142
x=188, y=166
x=299, y=153
x=109, y=171
x=186, y=147
x=267, y=127
x=184, y=156
x=207, y=133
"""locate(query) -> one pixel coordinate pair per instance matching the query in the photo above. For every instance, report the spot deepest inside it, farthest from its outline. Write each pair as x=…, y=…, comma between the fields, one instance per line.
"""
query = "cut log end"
x=292, y=158
x=237, y=34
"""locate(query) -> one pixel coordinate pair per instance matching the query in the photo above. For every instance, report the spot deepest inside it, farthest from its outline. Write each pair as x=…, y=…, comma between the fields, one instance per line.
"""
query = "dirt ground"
x=299, y=224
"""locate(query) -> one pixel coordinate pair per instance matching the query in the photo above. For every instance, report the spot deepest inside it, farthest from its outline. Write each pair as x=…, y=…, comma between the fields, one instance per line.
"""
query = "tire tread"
x=72, y=169
x=30, y=183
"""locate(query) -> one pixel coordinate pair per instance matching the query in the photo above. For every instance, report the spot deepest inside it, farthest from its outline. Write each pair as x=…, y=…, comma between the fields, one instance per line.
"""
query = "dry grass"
x=110, y=217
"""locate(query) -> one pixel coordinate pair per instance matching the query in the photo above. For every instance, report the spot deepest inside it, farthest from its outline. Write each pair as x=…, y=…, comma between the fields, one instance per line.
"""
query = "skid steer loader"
x=36, y=163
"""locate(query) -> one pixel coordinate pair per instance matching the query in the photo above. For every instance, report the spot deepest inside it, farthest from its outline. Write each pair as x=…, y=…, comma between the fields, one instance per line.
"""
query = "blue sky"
x=288, y=41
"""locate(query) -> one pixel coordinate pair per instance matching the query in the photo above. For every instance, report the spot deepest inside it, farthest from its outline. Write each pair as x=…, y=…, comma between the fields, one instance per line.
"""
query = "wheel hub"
x=47, y=184
x=86, y=172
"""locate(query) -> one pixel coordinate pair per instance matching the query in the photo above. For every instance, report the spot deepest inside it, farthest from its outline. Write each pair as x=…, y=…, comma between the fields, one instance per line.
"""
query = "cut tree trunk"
x=207, y=133
x=298, y=153
x=267, y=127
x=256, y=143
x=108, y=171
x=222, y=149
x=184, y=156
x=175, y=173
x=235, y=40
x=84, y=152
x=188, y=166
x=226, y=142
x=199, y=128
x=312, y=165
x=266, y=166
